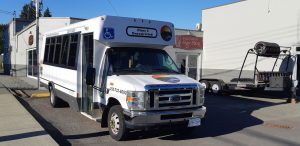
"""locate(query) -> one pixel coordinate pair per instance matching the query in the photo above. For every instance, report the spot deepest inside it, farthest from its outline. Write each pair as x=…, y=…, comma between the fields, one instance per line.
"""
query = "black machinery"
x=271, y=80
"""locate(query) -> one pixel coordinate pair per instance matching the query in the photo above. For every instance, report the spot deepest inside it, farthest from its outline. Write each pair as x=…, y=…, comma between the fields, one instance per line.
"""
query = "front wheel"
x=116, y=123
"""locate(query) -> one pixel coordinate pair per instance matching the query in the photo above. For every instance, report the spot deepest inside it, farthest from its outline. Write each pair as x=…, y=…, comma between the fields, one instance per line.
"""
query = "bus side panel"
x=65, y=81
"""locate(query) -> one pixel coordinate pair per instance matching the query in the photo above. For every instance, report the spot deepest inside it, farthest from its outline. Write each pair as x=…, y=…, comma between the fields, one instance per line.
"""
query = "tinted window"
x=57, y=50
x=73, y=50
x=51, y=50
x=65, y=48
x=141, y=61
x=89, y=48
x=46, y=50
x=62, y=50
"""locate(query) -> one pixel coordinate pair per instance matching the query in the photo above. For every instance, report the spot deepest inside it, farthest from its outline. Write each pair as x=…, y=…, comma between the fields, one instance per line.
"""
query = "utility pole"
x=37, y=11
x=15, y=43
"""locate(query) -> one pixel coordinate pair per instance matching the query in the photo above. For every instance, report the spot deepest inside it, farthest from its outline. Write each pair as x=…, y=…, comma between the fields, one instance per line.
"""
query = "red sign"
x=30, y=40
x=188, y=42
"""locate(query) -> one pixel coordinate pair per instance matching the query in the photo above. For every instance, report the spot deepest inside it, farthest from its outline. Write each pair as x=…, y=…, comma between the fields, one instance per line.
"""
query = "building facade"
x=231, y=30
x=15, y=26
x=23, y=56
x=187, y=53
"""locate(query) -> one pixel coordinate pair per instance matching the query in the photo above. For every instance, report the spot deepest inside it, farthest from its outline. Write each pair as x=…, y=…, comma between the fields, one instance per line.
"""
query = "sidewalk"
x=18, y=83
x=17, y=126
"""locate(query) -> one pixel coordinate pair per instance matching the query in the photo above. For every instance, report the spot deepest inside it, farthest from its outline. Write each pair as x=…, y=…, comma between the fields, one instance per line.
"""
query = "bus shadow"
x=225, y=115
x=87, y=135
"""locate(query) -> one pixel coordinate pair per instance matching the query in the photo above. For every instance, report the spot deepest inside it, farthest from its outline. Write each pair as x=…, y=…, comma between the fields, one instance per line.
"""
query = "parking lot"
x=230, y=120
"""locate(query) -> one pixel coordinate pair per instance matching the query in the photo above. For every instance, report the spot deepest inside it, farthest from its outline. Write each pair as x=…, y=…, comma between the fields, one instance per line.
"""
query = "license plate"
x=194, y=122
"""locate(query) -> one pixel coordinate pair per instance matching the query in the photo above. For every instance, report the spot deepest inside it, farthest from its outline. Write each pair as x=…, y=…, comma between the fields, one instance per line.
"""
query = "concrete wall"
x=9, y=41
x=19, y=55
x=230, y=30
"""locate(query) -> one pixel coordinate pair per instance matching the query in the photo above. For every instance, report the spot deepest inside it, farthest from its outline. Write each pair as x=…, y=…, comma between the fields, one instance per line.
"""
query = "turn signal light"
x=131, y=99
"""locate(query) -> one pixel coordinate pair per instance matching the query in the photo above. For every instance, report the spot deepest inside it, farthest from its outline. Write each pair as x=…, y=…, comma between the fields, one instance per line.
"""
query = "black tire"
x=216, y=87
x=116, y=113
x=54, y=100
x=206, y=84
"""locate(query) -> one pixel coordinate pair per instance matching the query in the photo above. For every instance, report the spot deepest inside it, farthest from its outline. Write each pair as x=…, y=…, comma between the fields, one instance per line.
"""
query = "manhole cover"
x=273, y=125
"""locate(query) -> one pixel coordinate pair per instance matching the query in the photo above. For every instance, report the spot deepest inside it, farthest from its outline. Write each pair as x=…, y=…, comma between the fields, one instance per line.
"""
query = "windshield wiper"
x=131, y=70
x=164, y=70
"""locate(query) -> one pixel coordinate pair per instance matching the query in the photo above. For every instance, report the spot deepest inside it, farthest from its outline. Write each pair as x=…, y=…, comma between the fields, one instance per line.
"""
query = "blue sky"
x=183, y=13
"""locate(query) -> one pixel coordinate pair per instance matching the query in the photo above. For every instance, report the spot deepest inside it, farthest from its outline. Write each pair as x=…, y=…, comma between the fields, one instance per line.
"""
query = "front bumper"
x=141, y=120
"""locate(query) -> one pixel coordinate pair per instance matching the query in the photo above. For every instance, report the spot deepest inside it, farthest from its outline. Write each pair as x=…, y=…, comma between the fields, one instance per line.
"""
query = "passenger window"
x=46, y=50
x=73, y=50
x=51, y=50
x=65, y=47
x=62, y=50
x=57, y=50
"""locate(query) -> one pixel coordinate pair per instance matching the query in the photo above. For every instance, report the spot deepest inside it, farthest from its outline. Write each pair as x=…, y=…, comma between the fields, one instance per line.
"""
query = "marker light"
x=166, y=33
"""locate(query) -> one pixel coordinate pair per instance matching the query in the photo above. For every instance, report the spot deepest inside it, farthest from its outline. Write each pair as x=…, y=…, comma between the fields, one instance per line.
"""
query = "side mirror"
x=182, y=69
x=90, y=76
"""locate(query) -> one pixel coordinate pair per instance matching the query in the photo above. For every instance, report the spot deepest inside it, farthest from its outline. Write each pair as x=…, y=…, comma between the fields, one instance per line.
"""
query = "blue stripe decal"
x=171, y=86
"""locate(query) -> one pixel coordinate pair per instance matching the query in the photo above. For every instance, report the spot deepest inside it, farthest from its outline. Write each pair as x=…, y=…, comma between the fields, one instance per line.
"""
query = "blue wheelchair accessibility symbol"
x=108, y=33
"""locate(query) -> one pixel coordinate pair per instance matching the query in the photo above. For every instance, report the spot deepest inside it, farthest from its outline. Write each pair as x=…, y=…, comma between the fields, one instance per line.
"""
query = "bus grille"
x=172, y=99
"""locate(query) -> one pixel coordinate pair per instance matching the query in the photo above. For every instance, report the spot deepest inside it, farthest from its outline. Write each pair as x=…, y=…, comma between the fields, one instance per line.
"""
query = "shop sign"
x=188, y=42
x=30, y=40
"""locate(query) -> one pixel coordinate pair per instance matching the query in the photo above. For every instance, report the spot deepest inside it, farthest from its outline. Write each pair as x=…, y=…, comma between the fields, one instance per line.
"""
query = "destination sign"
x=141, y=32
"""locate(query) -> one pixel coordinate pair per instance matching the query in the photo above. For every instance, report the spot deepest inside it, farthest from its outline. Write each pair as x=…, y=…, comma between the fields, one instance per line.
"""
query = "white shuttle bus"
x=115, y=70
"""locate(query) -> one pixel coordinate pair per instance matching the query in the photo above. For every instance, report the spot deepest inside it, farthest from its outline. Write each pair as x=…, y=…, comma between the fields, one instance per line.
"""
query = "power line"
x=113, y=7
x=6, y=12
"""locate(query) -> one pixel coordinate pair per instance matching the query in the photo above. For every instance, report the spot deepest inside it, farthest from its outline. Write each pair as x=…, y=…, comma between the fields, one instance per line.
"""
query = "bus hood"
x=141, y=82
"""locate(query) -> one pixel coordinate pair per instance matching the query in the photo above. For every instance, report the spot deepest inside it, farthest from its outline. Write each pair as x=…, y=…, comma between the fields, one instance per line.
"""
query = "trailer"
x=264, y=80
x=115, y=70
x=237, y=38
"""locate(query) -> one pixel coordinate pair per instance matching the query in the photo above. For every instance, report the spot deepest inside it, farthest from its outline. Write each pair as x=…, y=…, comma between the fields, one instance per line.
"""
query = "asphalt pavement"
x=231, y=120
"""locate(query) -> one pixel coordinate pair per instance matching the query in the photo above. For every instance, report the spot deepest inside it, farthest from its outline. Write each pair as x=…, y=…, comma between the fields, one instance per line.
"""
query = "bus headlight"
x=200, y=95
x=136, y=100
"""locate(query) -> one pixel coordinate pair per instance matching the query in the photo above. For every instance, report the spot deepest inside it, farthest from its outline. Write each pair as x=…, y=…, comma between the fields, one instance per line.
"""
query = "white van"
x=114, y=70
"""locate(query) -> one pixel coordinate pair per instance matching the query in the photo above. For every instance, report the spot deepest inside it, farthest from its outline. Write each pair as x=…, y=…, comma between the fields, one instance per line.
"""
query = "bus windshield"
x=124, y=61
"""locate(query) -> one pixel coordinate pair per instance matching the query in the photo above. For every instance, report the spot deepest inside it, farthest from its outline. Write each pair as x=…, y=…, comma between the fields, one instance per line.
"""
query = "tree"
x=47, y=13
x=28, y=12
x=2, y=27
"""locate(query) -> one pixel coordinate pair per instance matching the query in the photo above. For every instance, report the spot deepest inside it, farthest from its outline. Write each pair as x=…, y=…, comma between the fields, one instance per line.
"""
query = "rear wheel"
x=216, y=87
x=116, y=123
x=54, y=100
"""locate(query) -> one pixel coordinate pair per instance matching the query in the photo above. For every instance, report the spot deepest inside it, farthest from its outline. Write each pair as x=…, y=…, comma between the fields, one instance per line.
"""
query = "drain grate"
x=281, y=126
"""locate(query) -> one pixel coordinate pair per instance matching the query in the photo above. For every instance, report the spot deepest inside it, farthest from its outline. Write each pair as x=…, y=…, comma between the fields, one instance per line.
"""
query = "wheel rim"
x=51, y=97
x=215, y=88
x=114, y=123
x=203, y=84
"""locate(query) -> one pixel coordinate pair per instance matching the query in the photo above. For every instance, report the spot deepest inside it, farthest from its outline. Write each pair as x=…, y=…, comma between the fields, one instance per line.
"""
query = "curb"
x=40, y=95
